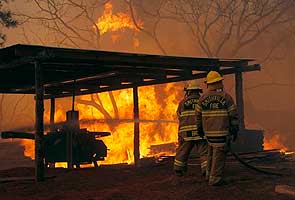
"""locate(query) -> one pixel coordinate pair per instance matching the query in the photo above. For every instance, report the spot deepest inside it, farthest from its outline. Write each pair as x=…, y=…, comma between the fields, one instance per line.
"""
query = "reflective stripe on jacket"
x=187, y=118
x=217, y=116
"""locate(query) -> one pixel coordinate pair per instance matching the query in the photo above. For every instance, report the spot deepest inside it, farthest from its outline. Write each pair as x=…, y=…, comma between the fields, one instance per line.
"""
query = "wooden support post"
x=240, y=98
x=69, y=148
x=73, y=127
x=39, y=137
x=136, y=127
x=52, y=112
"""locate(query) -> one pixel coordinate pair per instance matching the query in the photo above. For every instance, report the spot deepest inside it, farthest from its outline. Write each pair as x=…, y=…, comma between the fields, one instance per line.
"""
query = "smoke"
x=268, y=93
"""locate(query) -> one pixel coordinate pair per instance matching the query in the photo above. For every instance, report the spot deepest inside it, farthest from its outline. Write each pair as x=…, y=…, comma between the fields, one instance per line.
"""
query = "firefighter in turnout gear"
x=217, y=116
x=188, y=135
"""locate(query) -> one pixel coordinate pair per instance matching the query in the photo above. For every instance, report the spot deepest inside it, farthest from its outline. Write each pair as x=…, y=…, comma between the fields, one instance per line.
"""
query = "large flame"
x=158, y=122
x=118, y=22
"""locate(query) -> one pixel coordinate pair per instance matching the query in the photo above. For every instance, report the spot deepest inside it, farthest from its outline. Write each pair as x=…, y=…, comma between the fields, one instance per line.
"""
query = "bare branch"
x=93, y=103
x=116, y=111
x=215, y=24
x=152, y=35
x=270, y=84
x=15, y=106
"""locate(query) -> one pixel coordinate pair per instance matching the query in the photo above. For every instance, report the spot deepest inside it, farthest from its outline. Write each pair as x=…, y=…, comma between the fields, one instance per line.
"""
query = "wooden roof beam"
x=153, y=82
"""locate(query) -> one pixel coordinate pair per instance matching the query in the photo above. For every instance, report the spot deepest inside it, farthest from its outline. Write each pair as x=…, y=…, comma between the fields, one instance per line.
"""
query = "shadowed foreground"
x=153, y=181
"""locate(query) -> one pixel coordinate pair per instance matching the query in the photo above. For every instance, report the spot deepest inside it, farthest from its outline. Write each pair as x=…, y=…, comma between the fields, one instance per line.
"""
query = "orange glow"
x=110, y=22
x=119, y=22
x=61, y=164
x=158, y=124
x=135, y=42
x=157, y=105
x=275, y=142
x=115, y=38
x=289, y=152
x=29, y=146
x=152, y=132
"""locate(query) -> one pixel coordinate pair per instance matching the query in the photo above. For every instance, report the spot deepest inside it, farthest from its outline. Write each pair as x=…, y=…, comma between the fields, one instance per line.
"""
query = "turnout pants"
x=215, y=163
x=183, y=151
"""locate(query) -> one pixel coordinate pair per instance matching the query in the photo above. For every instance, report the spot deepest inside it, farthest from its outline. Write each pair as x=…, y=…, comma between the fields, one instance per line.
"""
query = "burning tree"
x=66, y=23
x=90, y=21
x=216, y=28
x=74, y=23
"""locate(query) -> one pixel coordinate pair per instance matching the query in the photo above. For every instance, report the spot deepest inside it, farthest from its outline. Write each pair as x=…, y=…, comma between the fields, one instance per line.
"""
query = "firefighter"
x=188, y=136
x=217, y=116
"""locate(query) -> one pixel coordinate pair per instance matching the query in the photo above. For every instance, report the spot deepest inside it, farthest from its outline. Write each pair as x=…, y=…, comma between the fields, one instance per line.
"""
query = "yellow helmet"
x=213, y=77
x=192, y=85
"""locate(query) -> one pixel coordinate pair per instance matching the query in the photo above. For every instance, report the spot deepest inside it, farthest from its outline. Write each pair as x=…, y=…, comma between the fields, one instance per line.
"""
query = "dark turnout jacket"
x=186, y=114
x=217, y=116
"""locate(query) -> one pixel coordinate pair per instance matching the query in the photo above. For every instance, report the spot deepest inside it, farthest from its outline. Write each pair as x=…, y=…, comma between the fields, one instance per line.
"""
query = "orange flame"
x=110, y=22
x=157, y=113
x=274, y=142
x=158, y=122
x=29, y=146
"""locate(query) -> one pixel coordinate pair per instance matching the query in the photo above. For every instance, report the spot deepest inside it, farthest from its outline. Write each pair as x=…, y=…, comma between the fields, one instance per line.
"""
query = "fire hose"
x=236, y=156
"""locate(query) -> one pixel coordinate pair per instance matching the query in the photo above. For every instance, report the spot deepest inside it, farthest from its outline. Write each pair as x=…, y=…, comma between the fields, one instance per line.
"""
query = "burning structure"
x=52, y=73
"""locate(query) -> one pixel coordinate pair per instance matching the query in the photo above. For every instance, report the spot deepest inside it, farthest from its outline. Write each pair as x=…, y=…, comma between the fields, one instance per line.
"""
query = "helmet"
x=192, y=85
x=213, y=77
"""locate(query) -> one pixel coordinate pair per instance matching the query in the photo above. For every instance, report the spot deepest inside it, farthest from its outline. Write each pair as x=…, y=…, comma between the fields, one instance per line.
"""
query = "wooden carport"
x=50, y=72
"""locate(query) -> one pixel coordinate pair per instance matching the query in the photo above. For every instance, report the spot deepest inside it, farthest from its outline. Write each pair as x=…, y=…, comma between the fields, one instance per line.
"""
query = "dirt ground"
x=150, y=182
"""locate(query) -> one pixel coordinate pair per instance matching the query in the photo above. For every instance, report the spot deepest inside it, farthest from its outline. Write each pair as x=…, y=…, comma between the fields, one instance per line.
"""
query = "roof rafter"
x=92, y=71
